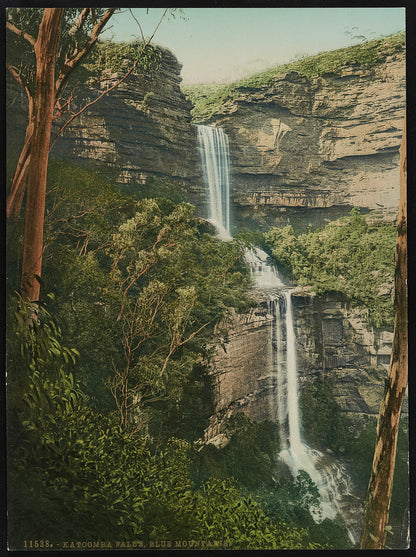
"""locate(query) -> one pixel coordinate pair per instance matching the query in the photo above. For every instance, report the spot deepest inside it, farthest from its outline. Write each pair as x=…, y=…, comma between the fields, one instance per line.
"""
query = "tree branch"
x=14, y=201
x=13, y=71
x=177, y=345
x=22, y=34
x=191, y=336
x=18, y=186
x=132, y=281
x=140, y=27
x=72, y=62
x=109, y=88
x=79, y=21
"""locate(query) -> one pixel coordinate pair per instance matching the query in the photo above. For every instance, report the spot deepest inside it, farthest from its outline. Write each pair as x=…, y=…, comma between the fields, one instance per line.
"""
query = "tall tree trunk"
x=379, y=489
x=45, y=50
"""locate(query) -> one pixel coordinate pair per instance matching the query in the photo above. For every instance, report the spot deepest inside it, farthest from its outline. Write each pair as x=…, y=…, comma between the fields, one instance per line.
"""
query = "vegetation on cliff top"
x=117, y=58
x=208, y=98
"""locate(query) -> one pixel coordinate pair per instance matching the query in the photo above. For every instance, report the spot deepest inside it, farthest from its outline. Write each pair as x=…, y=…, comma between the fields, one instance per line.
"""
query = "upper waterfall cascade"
x=215, y=157
x=328, y=475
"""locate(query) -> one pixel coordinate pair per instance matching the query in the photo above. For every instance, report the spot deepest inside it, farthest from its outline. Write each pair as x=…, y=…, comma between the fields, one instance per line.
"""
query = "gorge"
x=280, y=374
x=180, y=333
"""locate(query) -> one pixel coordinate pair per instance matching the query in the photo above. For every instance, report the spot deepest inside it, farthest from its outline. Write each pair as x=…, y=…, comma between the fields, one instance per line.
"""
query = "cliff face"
x=326, y=142
x=305, y=149
x=332, y=339
x=141, y=129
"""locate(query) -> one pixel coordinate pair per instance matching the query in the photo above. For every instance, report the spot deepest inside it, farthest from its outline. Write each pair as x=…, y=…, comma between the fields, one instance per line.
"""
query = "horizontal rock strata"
x=141, y=129
x=332, y=340
x=329, y=141
x=304, y=146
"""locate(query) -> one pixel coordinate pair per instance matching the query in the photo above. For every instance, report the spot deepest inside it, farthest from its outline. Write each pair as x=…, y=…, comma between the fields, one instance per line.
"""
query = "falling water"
x=215, y=157
x=265, y=276
x=277, y=363
x=292, y=378
x=328, y=475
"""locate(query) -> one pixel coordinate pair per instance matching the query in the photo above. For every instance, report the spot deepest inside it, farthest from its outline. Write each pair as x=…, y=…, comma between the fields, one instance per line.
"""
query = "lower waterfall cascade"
x=329, y=476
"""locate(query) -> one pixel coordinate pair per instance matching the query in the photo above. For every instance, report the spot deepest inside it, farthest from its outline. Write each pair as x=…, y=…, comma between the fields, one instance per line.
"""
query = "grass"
x=209, y=98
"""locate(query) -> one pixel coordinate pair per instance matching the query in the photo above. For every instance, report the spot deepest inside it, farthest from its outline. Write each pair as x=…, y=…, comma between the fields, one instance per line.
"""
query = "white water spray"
x=265, y=276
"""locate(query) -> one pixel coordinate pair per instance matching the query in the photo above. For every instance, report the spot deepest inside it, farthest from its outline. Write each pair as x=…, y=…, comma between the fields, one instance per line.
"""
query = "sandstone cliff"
x=330, y=141
x=141, y=129
x=332, y=339
x=301, y=148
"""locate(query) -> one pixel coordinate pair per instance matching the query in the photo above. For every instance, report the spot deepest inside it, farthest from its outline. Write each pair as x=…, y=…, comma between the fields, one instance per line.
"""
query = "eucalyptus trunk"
x=45, y=51
x=378, y=496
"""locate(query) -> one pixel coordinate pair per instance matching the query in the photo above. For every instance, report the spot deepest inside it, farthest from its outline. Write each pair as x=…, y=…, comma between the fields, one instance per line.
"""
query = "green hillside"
x=207, y=98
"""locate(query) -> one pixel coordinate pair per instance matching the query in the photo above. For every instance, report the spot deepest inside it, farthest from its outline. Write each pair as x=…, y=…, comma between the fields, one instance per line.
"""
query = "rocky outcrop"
x=332, y=339
x=336, y=340
x=142, y=129
x=326, y=142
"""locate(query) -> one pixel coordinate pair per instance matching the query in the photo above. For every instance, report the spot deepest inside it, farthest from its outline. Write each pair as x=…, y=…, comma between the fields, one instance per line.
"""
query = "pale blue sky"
x=225, y=44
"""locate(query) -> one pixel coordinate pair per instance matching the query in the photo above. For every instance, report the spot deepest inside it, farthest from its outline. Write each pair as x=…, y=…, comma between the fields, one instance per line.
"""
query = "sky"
x=221, y=45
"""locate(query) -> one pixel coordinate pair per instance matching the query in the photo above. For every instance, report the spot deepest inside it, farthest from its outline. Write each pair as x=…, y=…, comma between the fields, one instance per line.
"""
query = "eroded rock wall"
x=301, y=149
x=141, y=129
x=332, y=340
x=327, y=142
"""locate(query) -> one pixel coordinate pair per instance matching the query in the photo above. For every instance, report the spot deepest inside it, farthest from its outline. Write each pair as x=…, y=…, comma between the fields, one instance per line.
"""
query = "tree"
x=39, y=128
x=173, y=289
x=379, y=489
x=43, y=97
x=64, y=38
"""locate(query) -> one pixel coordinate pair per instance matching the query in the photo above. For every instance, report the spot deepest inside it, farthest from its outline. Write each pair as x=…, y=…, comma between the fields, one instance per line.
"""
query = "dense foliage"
x=349, y=256
x=251, y=458
x=139, y=299
x=76, y=474
x=333, y=429
x=208, y=99
x=105, y=387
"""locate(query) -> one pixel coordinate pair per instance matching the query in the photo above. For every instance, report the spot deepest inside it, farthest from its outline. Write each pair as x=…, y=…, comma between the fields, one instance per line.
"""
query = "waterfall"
x=265, y=276
x=215, y=157
x=292, y=378
x=277, y=364
x=329, y=476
